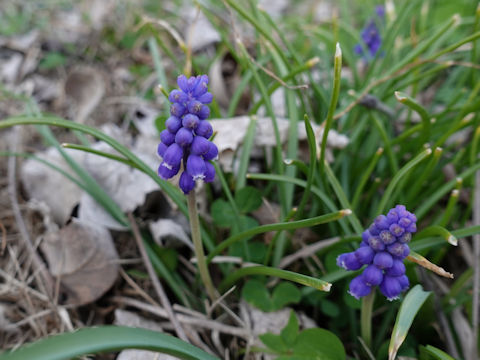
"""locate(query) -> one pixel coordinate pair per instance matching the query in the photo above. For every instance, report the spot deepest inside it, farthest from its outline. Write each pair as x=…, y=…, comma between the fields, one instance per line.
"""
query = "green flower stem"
x=198, y=246
x=366, y=318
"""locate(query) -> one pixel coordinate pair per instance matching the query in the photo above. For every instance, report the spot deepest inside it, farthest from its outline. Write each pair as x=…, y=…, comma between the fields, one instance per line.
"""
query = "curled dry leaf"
x=170, y=233
x=231, y=134
x=84, y=258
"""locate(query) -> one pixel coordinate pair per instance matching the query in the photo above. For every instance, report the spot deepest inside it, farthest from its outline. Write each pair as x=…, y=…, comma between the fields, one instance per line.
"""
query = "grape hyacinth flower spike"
x=371, y=40
x=383, y=248
x=185, y=139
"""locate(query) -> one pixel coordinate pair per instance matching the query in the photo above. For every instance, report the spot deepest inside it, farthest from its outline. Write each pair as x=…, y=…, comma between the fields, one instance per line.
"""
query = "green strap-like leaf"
x=409, y=308
x=103, y=339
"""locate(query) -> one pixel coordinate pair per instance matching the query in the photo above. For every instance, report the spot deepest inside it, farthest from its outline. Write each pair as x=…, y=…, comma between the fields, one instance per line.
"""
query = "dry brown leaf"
x=84, y=258
x=84, y=88
x=40, y=182
x=231, y=134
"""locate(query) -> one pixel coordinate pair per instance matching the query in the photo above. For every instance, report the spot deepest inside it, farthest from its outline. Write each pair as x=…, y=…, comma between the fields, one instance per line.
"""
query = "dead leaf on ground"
x=196, y=38
x=231, y=134
x=168, y=232
x=41, y=181
x=84, y=88
x=84, y=258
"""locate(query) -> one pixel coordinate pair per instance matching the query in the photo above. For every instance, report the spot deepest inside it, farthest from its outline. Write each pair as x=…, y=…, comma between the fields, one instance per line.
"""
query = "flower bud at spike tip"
x=382, y=249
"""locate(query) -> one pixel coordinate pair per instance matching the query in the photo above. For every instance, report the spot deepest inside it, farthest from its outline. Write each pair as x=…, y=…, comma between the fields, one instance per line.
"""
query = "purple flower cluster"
x=187, y=133
x=371, y=39
x=383, y=248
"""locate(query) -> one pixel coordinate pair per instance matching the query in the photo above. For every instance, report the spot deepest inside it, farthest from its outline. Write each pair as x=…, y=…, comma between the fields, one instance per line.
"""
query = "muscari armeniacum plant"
x=185, y=148
x=382, y=251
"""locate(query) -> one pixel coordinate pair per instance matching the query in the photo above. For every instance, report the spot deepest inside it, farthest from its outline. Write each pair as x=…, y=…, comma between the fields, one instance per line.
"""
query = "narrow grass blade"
x=282, y=274
x=312, y=146
x=437, y=353
x=337, y=188
x=419, y=109
x=365, y=176
x=290, y=225
x=398, y=176
x=105, y=339
x=437, y=230
x=99, y=153
x=386, y=142
x=246, y=150
x=337, y=71
x=410, y=306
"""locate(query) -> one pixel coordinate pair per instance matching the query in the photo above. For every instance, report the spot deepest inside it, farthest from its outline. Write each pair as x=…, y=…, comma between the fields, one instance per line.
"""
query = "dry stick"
x=4, y=238
x=476, y=266
x=185, y=319
x=438, y=293
x=156, y=284
x=137, y=288
x=44, y=281
x=307, y=251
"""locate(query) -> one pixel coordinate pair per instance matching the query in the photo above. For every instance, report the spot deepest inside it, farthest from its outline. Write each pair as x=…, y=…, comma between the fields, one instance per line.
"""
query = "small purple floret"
x=390, y=287
x=358, y=288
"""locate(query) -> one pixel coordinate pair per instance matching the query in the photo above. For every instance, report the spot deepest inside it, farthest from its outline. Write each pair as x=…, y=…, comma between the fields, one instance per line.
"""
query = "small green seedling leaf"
x=274, y=342
x=436, y=353
x=248, y=199
x=318, y=344
x=285, y=293
x=222, y=213
x=411, y=304
x=255, y=293
x=290, y=332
